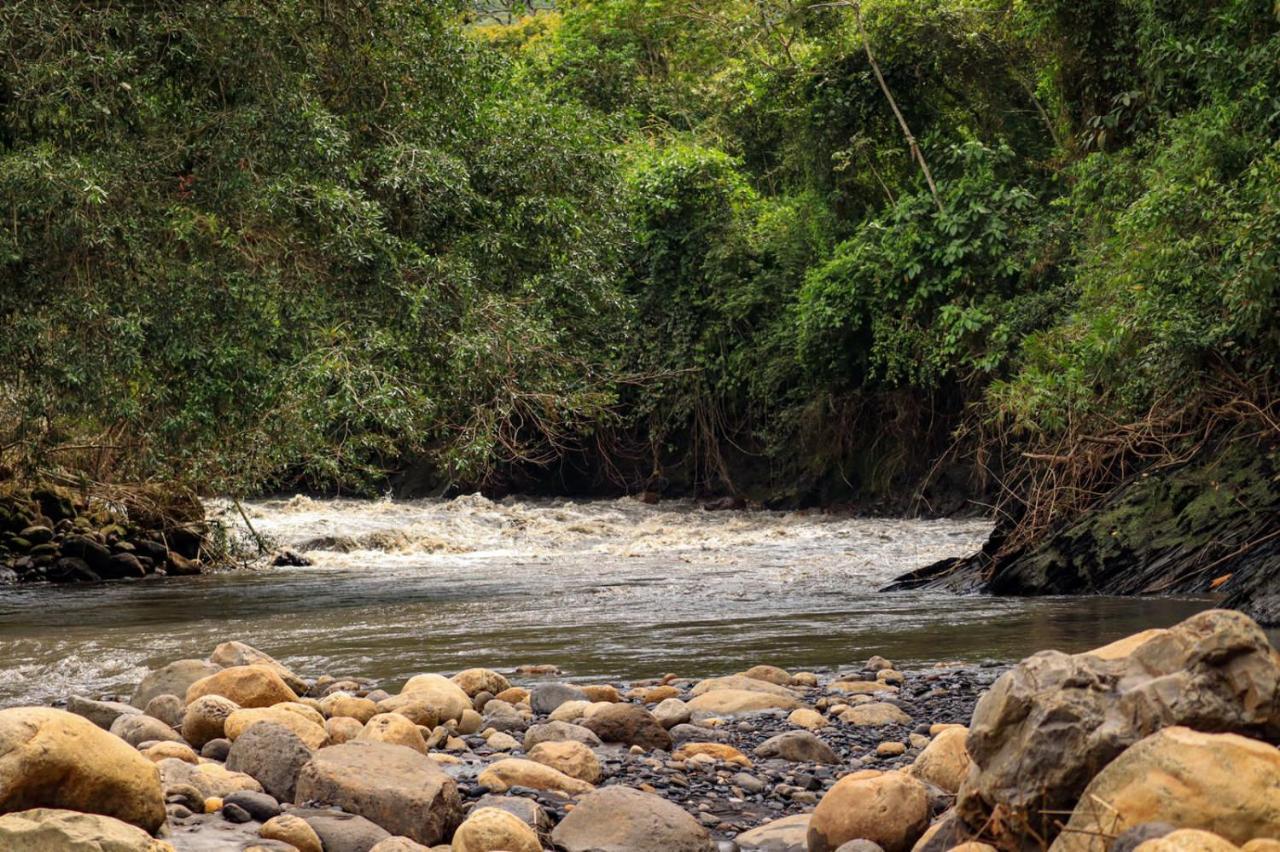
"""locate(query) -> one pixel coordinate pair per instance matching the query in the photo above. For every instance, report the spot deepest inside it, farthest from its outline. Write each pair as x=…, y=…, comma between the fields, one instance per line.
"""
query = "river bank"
x=1161, y=735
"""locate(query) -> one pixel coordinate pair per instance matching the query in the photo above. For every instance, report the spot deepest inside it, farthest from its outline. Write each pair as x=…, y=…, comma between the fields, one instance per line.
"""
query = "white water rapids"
x=602, y=589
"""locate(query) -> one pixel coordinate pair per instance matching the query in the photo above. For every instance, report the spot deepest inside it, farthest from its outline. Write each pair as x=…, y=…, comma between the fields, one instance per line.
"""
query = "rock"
x=798, y=747
x=306, y=728
x=157, y=752
x=1186, y=840
x=234, y=654
x=1221, y=783
x=717, y=751
x=622, y=819
x=100, y=713
x=502, y=716
x=500, y=741
x=804, y=717
x=444, y=696
x=888, y=808
x=1059, y=718
x=342, y=832
x=475, y=681
x=419, y=710
x=569, y=711
x=789, y=834
x=546, y=697
x=205, y=719
x=395, y=729
x=861, y=687
x=602, y=693
x=945, y=761
x=559, y=732
x=174, y=679
x=135, y=728
x=211, y=780
x=54, y=759
x=234, y=813
x=877, y=663
x=1130, y=839
x=891, y=749
x=395, y=787
x=572, y=758
x=258, y=806
x=340, y=704
x=54, y=830
x=629, y=724
x=691, y=733
x=404, y=844
x=491, y=829
x=166, y=708
x=741, y=683
x=529, y=811
x=769, y=674
x=514, y=772
x=875, y=714
x=248, y=686
x=291, y=829
x=123, y=566
x=514, y=695
x=868, y=846
x=342, y=729
x=653, y=694
x=732, y=702
x=273, y=755
x=671, y=712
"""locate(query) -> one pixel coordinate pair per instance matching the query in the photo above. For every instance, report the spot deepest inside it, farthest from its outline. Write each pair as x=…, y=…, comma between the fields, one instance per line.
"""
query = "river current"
x=603, y=589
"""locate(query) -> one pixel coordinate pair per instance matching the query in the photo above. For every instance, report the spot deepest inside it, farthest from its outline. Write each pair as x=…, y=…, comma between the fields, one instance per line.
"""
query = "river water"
x=608, y=589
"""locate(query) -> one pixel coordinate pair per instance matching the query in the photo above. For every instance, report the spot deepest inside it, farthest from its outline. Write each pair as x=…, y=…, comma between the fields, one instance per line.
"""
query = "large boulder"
x=1051, y=723
x=551, y=732
x=629, y=724
x=797, y=746
x=945, y=762
x=248, y=686
x=493, y=829
x=173, y=679
x=54, y=759
x=206, y=719
x=53, y=830
x=1222, y=783
x=888, y=808
x=514, y=772
x=395, y=787
x=232, y=654
x=475, y=681
x=622, y=819
x=438, y=692
x=271, y=754
x=732, y=702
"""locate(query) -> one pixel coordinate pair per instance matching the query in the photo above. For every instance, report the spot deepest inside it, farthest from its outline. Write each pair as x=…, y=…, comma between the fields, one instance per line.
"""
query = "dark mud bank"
x=1210, y=526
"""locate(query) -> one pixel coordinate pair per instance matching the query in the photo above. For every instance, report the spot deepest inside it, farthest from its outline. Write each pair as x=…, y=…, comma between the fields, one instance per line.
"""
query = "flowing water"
x=609, y=589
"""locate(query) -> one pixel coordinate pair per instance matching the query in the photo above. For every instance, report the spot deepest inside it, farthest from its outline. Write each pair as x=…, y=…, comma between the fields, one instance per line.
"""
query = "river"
x=604, y=589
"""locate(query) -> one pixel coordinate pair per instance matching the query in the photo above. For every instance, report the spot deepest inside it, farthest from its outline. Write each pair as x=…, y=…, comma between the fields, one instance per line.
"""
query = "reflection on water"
x=604, y=589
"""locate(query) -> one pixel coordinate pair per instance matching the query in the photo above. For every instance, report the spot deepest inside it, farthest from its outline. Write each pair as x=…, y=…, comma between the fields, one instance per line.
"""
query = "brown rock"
x=572, y=758
x=392, y=786
x=233, y=654
x=741, y=683
x=719, y=751
x=342, y=729
x=206, y=719
x=340, y=704
x=290, y=829
x=769, y=674
x=313, y=734
x=1221, y=783
x=945, y=761
x=628, y=724
x=248, y=686
x=596, y=694
x=395, y=729
x=475, y=681
x=1059, y=719
x=441, y=694
x=514, y=772
x=780, y=835
x=54, y=830
x=621, y=819
x=874, y=714
x=731, y=702
x=54, y=759
x=491, y=829
x=1186, y=840
x=888, y=808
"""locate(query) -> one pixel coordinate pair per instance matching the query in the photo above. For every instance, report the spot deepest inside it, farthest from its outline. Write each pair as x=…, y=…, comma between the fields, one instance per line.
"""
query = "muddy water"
x=602, y=589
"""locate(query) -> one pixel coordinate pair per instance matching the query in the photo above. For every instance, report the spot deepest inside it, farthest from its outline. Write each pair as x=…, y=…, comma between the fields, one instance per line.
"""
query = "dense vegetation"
x=805, y=249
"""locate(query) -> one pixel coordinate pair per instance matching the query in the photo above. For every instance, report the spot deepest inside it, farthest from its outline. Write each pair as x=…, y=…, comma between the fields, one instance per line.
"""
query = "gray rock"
x=166, y=708
x=546, y=697
x=216, y=749
x=342, y=832
x=259, y=806
x=555, y=732
x=101, y=713
x=501, y=716
x=697, y=733
x=172, y=679
x=622, y=819
x=798, y=747
x=788, y=834
x=232, y=812
x=272, y=755
x=1134, y=837
x=137, y=728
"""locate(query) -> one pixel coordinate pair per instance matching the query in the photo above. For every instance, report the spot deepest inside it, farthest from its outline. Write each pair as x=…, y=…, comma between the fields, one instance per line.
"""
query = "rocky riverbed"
x=1162, y=741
